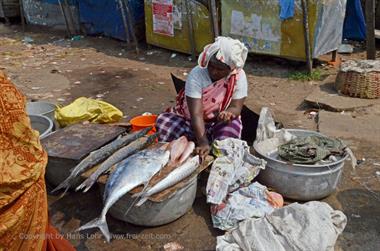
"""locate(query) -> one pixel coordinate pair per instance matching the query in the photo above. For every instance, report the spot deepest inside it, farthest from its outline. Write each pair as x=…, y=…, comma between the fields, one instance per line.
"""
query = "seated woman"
x=209, y=107
x=24, y=221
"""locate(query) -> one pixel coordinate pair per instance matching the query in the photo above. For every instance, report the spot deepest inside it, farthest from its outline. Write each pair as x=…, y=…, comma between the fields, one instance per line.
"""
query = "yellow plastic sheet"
x=86, y=109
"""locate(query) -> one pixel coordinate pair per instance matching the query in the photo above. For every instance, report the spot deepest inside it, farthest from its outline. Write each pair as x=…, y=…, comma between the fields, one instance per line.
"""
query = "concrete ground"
x=59, y=70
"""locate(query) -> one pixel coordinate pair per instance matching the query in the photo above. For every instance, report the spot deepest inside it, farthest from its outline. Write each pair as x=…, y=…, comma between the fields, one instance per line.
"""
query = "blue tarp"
x=354, y=24
x=104, y=16
x=70, y=2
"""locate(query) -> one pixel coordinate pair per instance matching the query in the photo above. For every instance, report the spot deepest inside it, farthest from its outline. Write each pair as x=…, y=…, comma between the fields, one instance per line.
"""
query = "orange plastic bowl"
x=144, y=121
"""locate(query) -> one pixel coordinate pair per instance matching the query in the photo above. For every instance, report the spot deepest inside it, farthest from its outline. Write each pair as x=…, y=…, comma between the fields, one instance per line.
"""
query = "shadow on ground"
x=362, y=208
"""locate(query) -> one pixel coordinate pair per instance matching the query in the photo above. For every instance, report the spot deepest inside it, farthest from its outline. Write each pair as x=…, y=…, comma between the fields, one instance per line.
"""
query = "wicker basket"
x=359, y=79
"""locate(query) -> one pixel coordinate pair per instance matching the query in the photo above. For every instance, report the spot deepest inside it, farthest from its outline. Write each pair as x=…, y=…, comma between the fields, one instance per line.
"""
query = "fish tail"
x=100, y=223
x=64, y=192
x=142, y=201
x=86, y=185
x=140, y=194
x=64, y=184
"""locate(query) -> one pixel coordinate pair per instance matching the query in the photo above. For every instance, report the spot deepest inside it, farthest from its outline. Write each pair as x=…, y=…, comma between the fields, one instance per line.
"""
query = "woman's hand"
x=233, y=111
x=226, y=116
x=202, y=150
x=198, y=124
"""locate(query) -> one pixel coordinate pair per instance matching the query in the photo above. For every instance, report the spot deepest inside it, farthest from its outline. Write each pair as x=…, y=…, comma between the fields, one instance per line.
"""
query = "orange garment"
x=23, y=198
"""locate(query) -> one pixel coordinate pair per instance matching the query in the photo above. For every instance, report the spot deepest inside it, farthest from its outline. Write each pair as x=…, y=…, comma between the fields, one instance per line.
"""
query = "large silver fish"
x=134, y=171
x=173, y=178
x=115, y=158
x=98, y=156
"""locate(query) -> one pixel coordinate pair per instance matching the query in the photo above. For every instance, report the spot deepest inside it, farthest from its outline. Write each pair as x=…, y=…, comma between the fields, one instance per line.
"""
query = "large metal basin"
x=155, y=213
x=300, y=182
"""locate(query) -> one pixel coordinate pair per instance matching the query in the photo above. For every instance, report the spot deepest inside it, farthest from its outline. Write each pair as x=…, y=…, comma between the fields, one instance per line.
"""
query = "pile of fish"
x=135, y=166
x=113, y=153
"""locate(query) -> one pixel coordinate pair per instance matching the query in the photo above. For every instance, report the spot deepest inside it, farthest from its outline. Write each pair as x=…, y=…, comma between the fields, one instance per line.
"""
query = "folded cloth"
x=228, y=50
x=311, y=149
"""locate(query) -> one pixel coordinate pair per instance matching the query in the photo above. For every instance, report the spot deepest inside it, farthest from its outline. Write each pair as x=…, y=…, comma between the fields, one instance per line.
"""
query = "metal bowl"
x=42, y=108
x=41, y=124
x=300, y=182
x=155, y=213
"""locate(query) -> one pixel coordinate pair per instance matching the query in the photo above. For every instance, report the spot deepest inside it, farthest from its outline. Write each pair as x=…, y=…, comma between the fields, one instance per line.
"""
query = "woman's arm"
x=236, y=106
x=233, y=111
x=198, y=125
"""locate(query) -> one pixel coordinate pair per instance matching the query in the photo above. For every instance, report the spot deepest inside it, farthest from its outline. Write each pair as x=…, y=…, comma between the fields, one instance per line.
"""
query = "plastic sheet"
x=354, y=24
x=311, y=226
x=104, y=17
x=86, y=109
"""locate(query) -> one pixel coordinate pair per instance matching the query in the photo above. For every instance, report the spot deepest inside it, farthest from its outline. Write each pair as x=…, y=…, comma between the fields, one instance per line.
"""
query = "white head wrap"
x=229, y=51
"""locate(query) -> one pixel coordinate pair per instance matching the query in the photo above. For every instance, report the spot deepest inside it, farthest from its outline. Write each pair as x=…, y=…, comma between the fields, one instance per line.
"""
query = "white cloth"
x=199, y=79
x=230, y=51
x=313, y=226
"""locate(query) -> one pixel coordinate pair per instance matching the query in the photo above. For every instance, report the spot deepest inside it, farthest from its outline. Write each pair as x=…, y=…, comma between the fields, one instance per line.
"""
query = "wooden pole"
x=214, y=18
x=65, y=18
x=377, y=15
x=370, y=22
x=71, y=17
x=190, y=27
x=124, y=17
x=131, y=26
x=309, y=59
x=22, y=15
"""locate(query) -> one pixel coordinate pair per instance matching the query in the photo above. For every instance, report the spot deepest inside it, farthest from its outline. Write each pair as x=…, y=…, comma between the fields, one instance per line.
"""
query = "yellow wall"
x=180, y=41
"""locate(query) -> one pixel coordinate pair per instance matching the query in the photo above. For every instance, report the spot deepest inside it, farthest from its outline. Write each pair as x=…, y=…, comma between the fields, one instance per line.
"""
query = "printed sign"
x=163, y=17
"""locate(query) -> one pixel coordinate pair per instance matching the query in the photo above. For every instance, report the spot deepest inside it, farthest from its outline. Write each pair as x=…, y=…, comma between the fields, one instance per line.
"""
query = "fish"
x=178, y=174
x=99, y=155
x=115, y=158
x=132, y=172
x=177, y=147
x=187, y=152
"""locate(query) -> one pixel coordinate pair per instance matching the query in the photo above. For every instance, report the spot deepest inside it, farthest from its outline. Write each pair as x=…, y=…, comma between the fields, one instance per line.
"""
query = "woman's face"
x=217, y=69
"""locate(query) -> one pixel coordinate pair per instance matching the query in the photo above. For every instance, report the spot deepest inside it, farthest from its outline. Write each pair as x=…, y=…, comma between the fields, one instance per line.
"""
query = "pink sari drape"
x=215, y=98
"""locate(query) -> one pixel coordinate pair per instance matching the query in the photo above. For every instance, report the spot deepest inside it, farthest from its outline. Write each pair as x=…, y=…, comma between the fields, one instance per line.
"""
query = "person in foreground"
x=209, y=106
x=23, y=200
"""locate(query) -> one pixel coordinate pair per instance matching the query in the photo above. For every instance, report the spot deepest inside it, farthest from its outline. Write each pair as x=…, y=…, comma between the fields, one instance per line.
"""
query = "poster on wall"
x=163, y=17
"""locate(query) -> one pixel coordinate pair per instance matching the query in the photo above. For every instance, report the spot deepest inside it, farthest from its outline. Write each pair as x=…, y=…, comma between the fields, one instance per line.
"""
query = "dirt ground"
x=45, y=66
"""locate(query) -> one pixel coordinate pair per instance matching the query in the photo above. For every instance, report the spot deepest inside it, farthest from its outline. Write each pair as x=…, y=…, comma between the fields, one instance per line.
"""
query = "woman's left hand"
x=226, y=116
